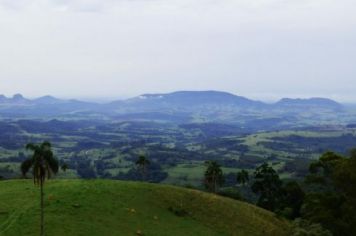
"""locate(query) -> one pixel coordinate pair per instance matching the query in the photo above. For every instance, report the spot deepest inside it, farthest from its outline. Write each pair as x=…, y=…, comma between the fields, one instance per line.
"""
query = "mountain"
x=2, y=98
x=17, y=99
x=43, y=106
x=187, y=101
x=310, y=103
x=189, y=98
x=48, y=100
x=107, y=207
x=179, y=107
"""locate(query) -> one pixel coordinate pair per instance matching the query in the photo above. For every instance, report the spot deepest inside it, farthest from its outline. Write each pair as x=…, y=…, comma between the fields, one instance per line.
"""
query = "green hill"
x=104, y=207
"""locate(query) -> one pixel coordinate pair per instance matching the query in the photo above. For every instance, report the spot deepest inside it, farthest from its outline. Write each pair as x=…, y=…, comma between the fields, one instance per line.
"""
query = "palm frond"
x=53, y=164
x=43, y=163
x=26, y=166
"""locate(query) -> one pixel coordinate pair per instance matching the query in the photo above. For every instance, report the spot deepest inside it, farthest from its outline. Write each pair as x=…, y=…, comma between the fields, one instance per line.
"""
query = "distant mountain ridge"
x=204, y=103
x=186, y=101
x=318, y=102
x=20, y=99
x=182, y=97
x=16, y=99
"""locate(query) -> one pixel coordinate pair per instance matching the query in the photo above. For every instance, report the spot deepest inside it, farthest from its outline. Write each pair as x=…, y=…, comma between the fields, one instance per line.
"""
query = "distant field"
x=190, y=173
x=104, y=207
x=177, y=152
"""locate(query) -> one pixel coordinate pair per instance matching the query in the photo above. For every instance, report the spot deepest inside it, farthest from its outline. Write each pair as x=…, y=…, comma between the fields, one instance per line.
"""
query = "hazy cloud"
x=261, y=48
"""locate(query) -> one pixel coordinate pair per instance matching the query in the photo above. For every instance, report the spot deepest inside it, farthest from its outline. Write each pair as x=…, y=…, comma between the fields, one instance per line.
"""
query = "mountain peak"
x=18, y=96
x=47, y=99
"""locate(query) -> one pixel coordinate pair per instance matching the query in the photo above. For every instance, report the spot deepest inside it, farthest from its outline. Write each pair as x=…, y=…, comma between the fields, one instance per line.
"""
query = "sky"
x=110, y=49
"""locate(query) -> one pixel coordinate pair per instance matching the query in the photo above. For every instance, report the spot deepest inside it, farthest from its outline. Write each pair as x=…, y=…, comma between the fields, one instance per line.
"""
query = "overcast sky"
x=263, y=49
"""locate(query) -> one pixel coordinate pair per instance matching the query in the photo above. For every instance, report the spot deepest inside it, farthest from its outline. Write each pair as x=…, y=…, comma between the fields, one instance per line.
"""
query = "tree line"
x=324, y=202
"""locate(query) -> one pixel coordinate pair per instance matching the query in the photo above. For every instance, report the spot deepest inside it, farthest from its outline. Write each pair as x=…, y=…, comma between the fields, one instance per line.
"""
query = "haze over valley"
x=177, y=117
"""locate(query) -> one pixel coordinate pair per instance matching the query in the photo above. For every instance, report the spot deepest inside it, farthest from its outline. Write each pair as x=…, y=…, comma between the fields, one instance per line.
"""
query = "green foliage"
x=213, y=176
x=268, y=186
x=305, y=228
x=242, y=177
x=332, y=201
x=292, y=200
x=142, y=164
x=42, y=162
x=64, y=167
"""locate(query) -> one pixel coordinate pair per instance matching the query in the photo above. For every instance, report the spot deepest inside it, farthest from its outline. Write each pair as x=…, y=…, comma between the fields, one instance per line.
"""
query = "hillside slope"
x=104, y=207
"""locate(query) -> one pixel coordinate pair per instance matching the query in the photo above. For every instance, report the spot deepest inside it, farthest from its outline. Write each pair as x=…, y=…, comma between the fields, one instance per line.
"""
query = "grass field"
x=191, y=173
x=104, y=207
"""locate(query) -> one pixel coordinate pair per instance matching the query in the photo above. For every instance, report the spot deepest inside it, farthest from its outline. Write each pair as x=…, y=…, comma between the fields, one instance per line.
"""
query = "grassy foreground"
x=105, y=207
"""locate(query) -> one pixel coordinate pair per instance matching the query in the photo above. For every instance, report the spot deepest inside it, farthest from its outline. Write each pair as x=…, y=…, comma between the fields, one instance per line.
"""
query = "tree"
x=142, y=164
x=331, y=200
x=242, y=177
x=292, y=200
x=64, y=167
x=268, y=185
x=43, y=165
x=213, y=177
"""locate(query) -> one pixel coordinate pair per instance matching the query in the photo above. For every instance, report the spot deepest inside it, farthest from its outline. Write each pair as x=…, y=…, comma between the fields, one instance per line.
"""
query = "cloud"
x=127, y=47
x=15, y=5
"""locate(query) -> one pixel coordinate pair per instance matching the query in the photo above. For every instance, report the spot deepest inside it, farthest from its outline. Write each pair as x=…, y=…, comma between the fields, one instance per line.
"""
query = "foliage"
x=213, y=176
x=42, y=162
x=269, y=187
x=64, y=167
x=242, y=177
x=155, y=174
x=292, y=200
x=305, y=228
x=142, y=164
x=332, y=201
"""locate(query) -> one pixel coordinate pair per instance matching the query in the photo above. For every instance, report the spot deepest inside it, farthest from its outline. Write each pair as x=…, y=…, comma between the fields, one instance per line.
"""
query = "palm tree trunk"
x=42, y=210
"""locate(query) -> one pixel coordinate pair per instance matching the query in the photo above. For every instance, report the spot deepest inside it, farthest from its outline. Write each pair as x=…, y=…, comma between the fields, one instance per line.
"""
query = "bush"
x=306, y=228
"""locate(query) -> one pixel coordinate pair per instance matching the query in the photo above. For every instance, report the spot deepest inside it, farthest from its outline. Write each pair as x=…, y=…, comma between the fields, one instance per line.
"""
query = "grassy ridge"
x=104, y=207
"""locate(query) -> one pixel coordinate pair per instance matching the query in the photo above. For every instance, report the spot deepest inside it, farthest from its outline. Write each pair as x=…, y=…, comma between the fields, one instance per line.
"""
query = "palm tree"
x=142, y=164
x=213, y=176
x=242, y=177
x=43, y=165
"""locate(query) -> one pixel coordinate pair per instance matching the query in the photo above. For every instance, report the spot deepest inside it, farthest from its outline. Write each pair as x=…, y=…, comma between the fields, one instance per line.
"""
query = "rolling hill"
x=104, y=207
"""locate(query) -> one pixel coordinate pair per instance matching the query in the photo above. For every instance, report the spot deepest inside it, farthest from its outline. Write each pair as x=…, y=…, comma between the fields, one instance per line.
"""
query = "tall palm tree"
x=213, y=176
x=43, y=165
x=242, y=177
x=142, y=164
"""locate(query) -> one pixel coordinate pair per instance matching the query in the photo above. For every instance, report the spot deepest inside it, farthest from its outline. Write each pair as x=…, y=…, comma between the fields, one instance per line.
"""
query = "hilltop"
x=104, y=207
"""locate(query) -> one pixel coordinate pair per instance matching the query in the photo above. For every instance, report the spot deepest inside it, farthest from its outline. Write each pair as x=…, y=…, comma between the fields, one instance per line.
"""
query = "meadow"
x=106, y=207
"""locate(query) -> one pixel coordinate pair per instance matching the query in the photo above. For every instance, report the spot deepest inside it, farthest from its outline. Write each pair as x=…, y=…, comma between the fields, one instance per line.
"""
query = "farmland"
x=177, y=151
